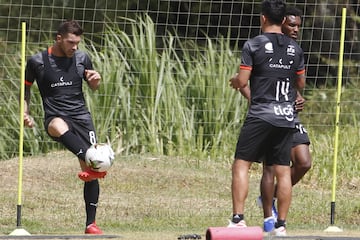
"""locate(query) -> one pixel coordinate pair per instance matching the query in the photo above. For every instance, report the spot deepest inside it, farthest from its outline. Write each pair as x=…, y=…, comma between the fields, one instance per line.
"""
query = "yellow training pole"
x=19, y=230
x=333, y=228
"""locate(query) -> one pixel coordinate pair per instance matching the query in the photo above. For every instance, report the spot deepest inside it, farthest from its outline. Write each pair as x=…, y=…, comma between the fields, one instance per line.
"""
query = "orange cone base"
x=226, y=233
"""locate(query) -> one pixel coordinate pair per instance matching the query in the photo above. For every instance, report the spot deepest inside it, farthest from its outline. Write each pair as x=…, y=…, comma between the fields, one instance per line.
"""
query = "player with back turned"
x=300, y=152
x=274, y=65
x=59, y=72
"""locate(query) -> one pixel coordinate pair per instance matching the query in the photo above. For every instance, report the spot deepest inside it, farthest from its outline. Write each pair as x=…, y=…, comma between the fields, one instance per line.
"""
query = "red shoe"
x=93, y=229
x=90, y=175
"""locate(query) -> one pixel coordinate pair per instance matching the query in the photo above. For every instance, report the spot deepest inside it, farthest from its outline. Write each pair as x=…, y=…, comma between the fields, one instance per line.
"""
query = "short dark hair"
x=293, y=11
x=70, y=26
x=274, y=10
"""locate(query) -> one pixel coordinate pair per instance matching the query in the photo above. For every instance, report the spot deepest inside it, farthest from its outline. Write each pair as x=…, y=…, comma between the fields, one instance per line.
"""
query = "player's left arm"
x=300, y=80
x=299, y=102
x=93, y=78
x=300, y=84
x=300, y=72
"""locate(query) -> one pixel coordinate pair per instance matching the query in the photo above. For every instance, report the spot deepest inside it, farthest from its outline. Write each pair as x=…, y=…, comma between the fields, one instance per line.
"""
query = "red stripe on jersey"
x=300, y=72
x=246, y=67
x=27, y=83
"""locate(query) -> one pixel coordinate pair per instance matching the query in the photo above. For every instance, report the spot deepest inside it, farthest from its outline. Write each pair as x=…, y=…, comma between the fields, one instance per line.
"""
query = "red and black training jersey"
x=59, y=80
x=275, y=61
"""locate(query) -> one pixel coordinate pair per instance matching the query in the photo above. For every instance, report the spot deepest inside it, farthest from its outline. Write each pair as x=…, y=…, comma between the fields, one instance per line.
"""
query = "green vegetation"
x=176, y=102
x=149, y=101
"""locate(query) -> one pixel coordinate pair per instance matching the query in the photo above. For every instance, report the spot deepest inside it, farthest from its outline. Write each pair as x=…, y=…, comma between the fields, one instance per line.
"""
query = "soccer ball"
x=99, y=157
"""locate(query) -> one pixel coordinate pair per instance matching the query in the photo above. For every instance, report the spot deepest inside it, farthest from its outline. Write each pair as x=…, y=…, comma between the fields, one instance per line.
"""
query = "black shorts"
x=300, y=135
x=82, y=127
x=259, y=140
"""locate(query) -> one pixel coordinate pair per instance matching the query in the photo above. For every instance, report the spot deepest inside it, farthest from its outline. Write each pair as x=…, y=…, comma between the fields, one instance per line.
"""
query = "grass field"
x=149, y=197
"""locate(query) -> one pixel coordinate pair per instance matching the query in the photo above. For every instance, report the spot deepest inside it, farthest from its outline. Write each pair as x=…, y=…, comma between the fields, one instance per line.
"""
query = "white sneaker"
x=241, y=224
x=279, y=232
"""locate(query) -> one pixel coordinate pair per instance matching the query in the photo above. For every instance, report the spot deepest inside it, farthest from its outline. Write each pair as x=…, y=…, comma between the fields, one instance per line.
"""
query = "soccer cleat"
x=279, y=231
x=93, y=229
x=90, y=175
x=269, y=224
x=241, y=224
x=273, y=210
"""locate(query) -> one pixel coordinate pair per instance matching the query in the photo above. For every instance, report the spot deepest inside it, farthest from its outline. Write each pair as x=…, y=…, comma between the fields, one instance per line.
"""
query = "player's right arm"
x=28, y=120
x=299, y=102
x=29, y=79
x=240, y=82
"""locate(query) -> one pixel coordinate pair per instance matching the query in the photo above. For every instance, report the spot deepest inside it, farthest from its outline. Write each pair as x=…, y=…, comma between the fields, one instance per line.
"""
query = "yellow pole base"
x=333, y=229
x=19, y=232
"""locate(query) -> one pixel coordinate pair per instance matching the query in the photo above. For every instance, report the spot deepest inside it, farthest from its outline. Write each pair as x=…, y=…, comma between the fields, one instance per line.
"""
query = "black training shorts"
x=300, y=135
x=260, y=140
x=82, y=127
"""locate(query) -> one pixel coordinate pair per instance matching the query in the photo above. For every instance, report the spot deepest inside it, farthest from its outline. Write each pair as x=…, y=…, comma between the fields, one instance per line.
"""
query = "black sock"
x=91, y=197
x=237, y=218
x=280, y=223
x=73, y=144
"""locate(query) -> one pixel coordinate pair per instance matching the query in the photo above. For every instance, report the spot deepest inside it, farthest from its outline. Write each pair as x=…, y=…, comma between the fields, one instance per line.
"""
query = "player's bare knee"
x=57, y=127
x=268, y=174
x=304, y=164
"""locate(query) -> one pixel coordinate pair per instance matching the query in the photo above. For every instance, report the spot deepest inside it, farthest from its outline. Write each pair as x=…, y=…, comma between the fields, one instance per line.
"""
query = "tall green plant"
x=176, y=101
x=173, y=100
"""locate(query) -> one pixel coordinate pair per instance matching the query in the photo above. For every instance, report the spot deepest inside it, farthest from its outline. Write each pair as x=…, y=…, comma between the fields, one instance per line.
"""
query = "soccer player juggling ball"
x=273, y=64
x=59, y=72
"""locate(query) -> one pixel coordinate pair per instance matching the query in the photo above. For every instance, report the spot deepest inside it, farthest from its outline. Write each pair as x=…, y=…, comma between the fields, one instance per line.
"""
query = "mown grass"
x=158, y=197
